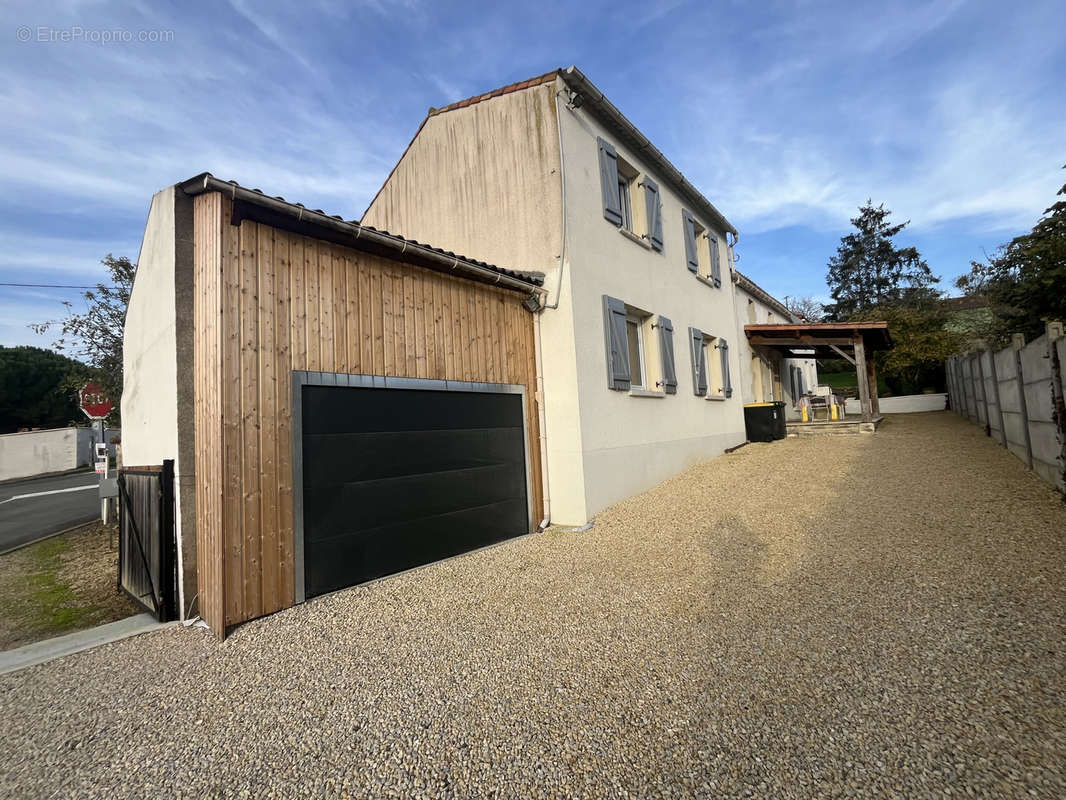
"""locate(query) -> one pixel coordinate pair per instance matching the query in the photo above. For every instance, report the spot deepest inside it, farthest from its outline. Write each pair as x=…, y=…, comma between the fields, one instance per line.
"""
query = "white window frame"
x=638, y=322
x=625, y=200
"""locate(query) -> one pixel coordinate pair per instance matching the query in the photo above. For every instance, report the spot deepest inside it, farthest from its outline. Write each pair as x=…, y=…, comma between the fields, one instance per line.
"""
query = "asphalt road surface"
x=36, y=507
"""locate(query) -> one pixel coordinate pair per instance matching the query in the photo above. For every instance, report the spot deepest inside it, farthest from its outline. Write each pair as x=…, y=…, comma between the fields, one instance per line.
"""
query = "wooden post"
x=871, y=380
x=999, y=403
x=1018, y=343
x=864, y=378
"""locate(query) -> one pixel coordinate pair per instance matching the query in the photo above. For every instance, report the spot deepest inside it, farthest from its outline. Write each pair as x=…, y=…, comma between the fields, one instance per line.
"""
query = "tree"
x=922, y=341
x=804, y=307
x=869, y=270
x=1025, y=281
x=35, y=389
x=95, y=336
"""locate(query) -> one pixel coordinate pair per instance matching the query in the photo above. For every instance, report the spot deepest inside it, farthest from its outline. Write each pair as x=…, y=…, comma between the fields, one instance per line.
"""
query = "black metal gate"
x=147, y=553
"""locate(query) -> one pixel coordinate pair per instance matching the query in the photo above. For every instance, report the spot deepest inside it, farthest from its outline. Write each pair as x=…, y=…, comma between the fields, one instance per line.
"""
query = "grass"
x=62, y=584
x=847, y=380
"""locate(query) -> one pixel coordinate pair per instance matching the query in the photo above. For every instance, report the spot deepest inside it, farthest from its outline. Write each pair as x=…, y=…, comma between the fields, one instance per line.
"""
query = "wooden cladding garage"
x=268, y=302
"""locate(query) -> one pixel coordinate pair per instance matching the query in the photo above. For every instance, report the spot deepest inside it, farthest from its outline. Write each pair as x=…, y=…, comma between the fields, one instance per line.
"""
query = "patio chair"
x=821, y=397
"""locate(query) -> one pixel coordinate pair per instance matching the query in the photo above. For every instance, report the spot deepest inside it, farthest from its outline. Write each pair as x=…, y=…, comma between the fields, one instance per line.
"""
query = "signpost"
x=96, y=407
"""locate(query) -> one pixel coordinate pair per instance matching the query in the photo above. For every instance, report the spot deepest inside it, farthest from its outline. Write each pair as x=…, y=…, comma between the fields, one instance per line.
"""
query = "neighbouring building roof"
x=594, y=101
x=752, y=288
x=280, y=213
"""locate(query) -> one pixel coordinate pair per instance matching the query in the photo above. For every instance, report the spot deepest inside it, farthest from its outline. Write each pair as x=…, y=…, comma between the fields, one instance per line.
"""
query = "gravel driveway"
x=854, y=615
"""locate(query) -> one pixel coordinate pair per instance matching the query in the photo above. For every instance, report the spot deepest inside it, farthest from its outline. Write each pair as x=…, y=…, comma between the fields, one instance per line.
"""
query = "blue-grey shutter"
x=614, y=321
x=691, y=253
x=716, y=265
x=666, y=355
x=654, y=205
x=727, y=383
x=612, y=209
x=699, y=361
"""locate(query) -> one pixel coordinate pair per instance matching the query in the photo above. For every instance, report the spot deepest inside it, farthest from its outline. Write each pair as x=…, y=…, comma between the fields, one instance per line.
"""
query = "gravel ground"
x=873, y=616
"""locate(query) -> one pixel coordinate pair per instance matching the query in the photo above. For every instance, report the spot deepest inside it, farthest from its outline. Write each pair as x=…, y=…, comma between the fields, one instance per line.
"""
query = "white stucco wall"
x=905, y=404
x=149, y=392
x=30, y=453
x=757, y=381
x=629, y=443
x=39, y=452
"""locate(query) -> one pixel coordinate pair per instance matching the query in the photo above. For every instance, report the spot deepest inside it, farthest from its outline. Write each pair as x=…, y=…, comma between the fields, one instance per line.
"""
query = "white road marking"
x=54, y=491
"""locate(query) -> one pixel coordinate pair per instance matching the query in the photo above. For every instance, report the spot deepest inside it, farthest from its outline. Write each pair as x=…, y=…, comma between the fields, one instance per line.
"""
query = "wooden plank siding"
x=207, y=414
x=269, y=302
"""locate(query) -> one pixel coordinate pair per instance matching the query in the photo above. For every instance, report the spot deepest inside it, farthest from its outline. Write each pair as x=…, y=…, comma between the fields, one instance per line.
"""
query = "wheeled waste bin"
x=764, y=422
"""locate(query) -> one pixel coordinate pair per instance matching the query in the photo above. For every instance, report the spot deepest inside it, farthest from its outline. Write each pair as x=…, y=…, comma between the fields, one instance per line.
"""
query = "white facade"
x=157, y=365
x=518, y=178
x=627, y=441
x=765, y=375
x=150, y=385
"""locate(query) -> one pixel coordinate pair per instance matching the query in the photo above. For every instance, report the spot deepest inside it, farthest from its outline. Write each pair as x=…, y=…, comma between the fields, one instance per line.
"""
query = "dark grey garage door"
x=394, y=478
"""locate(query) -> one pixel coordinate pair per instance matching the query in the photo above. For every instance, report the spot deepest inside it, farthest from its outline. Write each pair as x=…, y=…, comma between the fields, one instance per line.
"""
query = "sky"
x=788, y=116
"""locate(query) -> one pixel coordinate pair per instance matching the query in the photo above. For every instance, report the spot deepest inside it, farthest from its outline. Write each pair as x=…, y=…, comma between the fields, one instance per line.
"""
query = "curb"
x=31, y=655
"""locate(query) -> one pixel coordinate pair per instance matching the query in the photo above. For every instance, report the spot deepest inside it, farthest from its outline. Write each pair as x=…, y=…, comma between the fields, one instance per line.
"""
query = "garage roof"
x=278, y=212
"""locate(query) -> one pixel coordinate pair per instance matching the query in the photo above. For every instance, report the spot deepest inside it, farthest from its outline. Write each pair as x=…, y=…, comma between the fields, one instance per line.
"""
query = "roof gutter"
x=353, y=232
x=598, y=103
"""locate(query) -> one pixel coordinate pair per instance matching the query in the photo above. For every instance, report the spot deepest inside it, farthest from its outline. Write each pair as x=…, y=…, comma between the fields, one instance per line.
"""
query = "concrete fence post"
x=984, y=392
x=1058, y=391
x=995, y=391
x=1018, y=344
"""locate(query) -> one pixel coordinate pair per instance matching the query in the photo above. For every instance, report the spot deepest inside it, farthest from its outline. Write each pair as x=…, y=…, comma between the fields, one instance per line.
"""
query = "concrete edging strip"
x=41, y=652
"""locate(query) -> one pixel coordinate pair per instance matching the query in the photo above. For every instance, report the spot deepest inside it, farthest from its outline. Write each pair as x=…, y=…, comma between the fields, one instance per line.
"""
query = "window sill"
x=634, y=238
x=635, y=392
x=716, y=397
x=709, y=281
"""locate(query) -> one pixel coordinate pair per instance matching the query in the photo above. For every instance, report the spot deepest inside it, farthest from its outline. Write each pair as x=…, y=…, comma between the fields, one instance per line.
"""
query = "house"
x=341, y=402
x=266, y=342
x=639, y=333
x=765, y=374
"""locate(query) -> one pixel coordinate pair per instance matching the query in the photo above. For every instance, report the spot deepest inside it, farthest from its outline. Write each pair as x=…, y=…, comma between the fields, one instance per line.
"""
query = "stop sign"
x=93, y=402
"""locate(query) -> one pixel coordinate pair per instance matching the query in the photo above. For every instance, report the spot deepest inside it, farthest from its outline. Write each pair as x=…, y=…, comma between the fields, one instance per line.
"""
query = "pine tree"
x=868, y=270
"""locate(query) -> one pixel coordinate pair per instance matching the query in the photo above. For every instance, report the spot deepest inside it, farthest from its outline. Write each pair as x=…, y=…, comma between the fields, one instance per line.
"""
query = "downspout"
x=542, y=426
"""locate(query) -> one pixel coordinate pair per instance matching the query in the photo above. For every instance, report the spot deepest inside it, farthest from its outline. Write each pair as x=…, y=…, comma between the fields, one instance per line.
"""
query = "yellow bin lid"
x=757, y=405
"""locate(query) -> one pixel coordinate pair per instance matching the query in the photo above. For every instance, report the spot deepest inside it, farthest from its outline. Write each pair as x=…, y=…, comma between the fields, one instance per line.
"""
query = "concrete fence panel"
x=1017, y=392
x=991, y=388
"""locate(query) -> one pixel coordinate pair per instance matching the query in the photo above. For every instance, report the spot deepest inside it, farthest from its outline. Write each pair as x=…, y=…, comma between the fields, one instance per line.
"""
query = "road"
x=34, y=508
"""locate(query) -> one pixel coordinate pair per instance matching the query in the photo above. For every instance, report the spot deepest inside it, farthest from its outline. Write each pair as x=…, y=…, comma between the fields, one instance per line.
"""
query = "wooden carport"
x=853, y=341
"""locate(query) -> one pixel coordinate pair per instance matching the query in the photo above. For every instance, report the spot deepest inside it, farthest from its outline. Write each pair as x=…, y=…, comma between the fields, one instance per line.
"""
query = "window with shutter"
x=691, y=248
x=614, y=320
x=723, y=351
x=654, y=213
x=716, y=266
x=666, y=356
x=612, y=208
x=699, y=362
